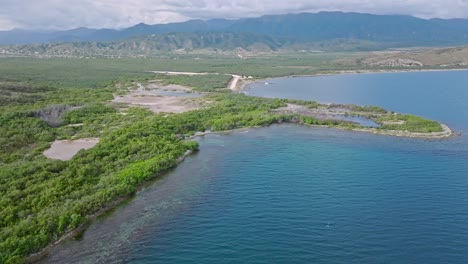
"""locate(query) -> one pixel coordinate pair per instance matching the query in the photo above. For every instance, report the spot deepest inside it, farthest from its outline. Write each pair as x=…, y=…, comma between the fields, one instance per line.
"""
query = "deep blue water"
x=293, y=194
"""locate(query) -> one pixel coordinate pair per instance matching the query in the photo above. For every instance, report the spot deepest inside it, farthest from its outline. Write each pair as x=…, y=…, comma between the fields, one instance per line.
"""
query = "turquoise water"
x=293, y=194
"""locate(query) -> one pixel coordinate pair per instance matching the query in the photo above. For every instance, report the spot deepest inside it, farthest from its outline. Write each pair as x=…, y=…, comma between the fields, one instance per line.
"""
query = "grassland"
x=98, y=72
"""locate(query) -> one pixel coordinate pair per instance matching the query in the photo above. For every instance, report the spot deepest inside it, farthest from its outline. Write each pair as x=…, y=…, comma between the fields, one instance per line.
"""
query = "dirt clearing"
x=66, y=149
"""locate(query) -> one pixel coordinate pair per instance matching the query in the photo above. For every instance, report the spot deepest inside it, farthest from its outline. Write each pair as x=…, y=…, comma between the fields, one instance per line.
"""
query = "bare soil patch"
x=180, y=73
x=399, y=122
x=321, y=113
x=172, y=87
x=146, y=96
x=66, y=149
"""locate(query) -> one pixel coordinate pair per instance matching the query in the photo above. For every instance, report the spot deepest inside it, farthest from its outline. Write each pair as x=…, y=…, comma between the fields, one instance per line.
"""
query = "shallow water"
x=297, y=194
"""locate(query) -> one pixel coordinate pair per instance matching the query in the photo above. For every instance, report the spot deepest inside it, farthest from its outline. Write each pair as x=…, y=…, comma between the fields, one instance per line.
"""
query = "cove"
x=439, y=95
x=297, y=194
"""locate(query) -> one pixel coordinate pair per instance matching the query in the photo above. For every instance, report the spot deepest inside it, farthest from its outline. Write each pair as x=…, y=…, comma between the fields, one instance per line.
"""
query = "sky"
x=67, y=14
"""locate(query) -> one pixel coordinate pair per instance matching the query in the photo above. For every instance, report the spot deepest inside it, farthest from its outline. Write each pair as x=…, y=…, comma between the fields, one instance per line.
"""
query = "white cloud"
x=59, y=14
x=6, y=24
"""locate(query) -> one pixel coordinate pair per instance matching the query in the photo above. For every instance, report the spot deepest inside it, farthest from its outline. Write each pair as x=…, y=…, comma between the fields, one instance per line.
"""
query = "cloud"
x=59, y=14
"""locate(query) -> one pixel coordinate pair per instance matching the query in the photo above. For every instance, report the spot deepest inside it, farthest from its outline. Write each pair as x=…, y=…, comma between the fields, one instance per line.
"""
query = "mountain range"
x=393, y=30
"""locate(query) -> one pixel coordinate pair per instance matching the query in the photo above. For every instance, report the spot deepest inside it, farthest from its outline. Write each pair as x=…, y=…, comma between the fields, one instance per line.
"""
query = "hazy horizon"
x=54, y=15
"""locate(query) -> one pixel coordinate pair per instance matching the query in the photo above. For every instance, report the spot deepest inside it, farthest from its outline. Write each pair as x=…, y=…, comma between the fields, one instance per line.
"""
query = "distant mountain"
x=212, y=42
x=155, y=44
x=196, y=41
x=85, y=34
x=378, y=28
x=396, y=30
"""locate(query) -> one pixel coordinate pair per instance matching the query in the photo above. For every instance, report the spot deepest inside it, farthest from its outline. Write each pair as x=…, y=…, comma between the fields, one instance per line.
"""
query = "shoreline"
x=446, y=133
x=35, y=257
x=342, y=72
x=244, y=84
x=239, y=86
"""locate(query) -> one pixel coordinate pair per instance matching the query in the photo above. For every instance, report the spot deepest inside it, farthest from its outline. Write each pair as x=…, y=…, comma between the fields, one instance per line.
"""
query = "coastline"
x=239, y=86
x=446, y=133
x=35, y=257
x=378, y=71
x=244, y=83
x=120, y=200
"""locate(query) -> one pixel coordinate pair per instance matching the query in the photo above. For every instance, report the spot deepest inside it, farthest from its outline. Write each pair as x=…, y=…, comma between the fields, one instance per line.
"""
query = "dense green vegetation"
x=42, y=199
x=408, y=122
x=201, y=83
x=368, y=109
x=101, y=72
x=309, y=104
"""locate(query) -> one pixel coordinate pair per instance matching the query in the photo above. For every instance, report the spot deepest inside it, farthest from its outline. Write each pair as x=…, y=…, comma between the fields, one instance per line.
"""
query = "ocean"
x=297, y=194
